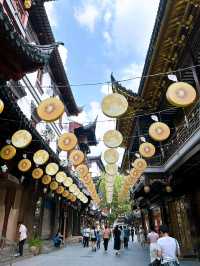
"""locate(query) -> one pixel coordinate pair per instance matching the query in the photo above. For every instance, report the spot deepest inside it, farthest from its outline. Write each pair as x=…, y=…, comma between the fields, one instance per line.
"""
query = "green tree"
x=116, y=208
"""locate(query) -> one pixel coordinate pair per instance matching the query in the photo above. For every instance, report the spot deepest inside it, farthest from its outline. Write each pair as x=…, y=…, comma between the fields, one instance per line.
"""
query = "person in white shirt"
x=168, y=248
x=86, y=236
x=22, y=237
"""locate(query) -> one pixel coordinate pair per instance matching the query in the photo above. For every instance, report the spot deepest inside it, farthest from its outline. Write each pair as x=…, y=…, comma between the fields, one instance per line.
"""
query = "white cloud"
x=107, y=16
x=50, y=9
x=132, y=25
x=107, y=37
x=63, y=54
x=106, y=89
x=87, y=15
x=133, y=70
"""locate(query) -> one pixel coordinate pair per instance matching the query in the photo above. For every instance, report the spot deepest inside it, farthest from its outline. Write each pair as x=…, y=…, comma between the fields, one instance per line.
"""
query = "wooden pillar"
x=9, y=201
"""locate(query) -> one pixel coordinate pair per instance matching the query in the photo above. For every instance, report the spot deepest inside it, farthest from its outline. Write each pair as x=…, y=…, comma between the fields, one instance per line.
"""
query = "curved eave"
x=17, y=56
x=40, y=23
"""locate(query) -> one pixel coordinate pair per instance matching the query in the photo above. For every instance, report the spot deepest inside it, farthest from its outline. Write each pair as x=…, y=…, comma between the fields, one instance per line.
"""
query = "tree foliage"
x=117, y=208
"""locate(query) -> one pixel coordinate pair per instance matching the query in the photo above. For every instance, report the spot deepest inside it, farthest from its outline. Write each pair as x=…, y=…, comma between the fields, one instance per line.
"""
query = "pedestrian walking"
x=132, y=233
x=86, y=237
x=168, y=248
x=141, y=236
x=93, y=237
x=152, y=238
x=117, y=240
x=22, y=231
x=106, y=237
x=126, y=236
x=99, y=236
x=121, y=237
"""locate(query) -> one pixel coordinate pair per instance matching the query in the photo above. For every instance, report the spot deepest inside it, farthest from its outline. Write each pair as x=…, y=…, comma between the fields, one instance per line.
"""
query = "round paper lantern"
x=114, y=105
x=21, y=138
x=112, y=138
x=24, y=165
x=27, y=4
x=67, y=141
x=159, y=131
x=7, y=152
x=76, y=157
x=139, y=164
x=72, y=188
x=109, y=178
x=86, y=179
x=61, y=176
x=111, y=156
x=168, y=189
x=135, y=173
x=46, y=179
x=37, y=173
x=67, y=182
x=76, y=193
x=147, y=189
x=60, y=190
x=65, y=194
x=1, y=106
x=53, y=185
x=73, y=198
x=181, y=94
x=82, y=169
x=147, y=150
x=50, y=109
x=40, y=157
x=130, y=180
x=52, y=168
x=111, y=169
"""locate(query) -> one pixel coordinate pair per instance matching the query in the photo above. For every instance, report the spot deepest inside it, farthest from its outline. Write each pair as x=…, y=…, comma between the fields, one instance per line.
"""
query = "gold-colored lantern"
x=67, y=141
x=37, y=173
x=50, y=109
x=181, y=94
x=7, y=152
x=159, y=131
x=24, y=165
x=147, y=150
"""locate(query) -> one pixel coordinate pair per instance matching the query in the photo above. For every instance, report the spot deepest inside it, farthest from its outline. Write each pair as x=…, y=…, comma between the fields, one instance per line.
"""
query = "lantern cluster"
x=113, y=105
x=109, y=187
x=89, y=184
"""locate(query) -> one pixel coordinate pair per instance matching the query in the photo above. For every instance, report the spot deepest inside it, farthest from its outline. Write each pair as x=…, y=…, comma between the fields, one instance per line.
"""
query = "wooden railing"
x=189, y=126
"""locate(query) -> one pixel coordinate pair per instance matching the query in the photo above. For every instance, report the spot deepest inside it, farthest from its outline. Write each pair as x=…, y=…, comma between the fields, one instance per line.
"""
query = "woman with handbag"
x=168, y=248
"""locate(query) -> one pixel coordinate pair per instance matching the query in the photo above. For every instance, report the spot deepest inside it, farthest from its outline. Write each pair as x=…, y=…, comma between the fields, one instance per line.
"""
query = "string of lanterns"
x=113, y=105
x=179, y=94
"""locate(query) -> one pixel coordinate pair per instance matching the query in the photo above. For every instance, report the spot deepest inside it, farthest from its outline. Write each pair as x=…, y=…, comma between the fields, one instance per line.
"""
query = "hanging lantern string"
x=102, y=121
x=121, y=80
x=125, y=138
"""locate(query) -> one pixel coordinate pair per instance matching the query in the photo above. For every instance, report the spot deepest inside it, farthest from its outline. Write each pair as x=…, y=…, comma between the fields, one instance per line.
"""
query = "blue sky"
x=101, y=36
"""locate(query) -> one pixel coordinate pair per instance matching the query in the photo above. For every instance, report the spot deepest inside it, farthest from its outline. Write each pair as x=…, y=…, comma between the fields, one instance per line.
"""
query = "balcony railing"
x=184, y=132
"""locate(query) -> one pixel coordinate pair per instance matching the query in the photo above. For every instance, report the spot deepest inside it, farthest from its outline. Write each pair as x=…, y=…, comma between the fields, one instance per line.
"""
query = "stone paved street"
x=78, y=256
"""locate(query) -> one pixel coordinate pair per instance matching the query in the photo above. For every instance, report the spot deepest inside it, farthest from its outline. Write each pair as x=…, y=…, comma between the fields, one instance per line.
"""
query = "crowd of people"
x=120, y=234
x=164, y=250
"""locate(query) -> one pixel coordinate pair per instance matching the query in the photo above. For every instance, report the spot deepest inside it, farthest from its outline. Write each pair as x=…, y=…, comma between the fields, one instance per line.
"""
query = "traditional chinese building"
x=174, y=45
x=31, y=70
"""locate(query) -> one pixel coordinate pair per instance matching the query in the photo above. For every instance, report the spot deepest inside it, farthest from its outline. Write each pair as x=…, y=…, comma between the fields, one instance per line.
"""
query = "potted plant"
x=35, y=245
